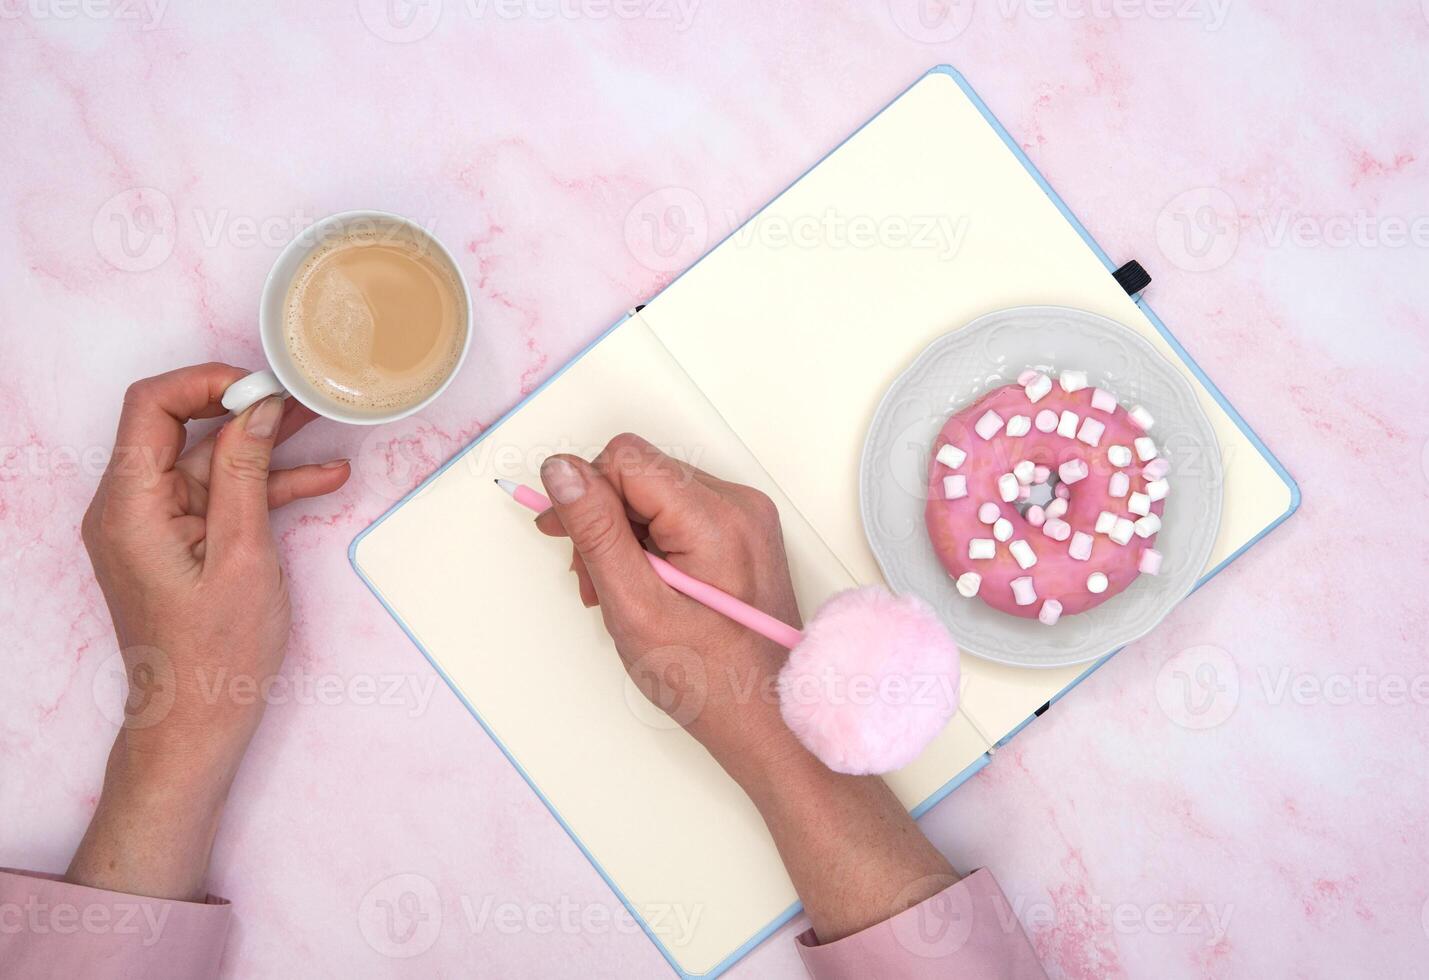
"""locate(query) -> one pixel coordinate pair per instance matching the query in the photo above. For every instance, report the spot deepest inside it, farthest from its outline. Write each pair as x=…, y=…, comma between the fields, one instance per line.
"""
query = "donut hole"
x=1039, y=495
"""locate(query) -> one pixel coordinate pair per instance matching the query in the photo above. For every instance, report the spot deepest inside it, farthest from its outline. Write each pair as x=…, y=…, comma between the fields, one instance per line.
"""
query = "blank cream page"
x=493, y=604
x=796, y=325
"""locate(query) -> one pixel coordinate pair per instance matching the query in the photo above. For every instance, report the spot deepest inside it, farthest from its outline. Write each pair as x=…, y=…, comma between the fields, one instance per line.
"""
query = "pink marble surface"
x=1240, y=794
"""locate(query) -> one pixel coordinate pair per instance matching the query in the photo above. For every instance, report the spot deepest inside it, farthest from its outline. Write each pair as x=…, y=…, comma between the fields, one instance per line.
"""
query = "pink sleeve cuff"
x=52, y=928
x=967, y=931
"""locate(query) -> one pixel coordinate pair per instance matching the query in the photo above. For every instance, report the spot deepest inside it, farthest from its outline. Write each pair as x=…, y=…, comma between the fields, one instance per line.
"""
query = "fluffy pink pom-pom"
x=873, y=681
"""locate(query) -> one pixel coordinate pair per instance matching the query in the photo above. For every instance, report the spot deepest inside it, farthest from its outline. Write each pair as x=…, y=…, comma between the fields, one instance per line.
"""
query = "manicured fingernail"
x=333, y=464
x=263, y=420
x=563, y=480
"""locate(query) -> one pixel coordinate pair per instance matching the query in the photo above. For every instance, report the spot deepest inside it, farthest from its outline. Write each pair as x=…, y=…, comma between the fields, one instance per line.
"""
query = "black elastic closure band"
x=1132, y=277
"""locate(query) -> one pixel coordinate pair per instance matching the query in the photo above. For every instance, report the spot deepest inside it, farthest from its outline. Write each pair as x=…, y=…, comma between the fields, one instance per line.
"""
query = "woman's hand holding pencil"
x=849, y=846
x=711, y=674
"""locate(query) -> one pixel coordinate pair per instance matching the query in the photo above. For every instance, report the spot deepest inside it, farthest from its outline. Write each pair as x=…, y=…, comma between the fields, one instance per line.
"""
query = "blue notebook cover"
x=961, y=777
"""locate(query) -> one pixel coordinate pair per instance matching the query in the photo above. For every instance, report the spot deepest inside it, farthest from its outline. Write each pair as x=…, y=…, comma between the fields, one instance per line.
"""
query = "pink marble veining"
x=1239, y=794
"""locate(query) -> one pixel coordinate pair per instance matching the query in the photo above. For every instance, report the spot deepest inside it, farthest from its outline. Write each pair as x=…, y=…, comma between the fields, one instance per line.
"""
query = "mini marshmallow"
x=955, y=487
x=1041, y=474
x=1150, y=563
x=1071, y=471
x=1023, y=553
x=1019, y=425
x=1067, y=424
x=1002, y=529
x=1157, y=468
x=1038, y=388
x=989, y=512
x=1062, y=491
x=1081, y=546
x=1091, y=431
x=1024, y=470
x=1027, y=377
x=1148, y=526
x=1145, y=448
x=1050, y=612
x=1122, y=530
x=1139, y=504
x=1057, y=529
x=1007, y=487
x=1157, y=489
x=1024, y=492
x=968, y=584
x=1096, y=583
x=1023, y=591
x=1046, y=420
x=1057, y=507
x=1106, y=520
x=1118, y=485
x=1118, y=455
x=989, y=425
x=1142, y=418
x=1073, y=380
x=1103, y=400
x=951, y=456
x=1036, y=516
x=979, y=548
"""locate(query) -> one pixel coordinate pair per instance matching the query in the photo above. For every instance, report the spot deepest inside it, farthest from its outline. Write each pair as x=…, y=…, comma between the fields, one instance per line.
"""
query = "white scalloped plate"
x=960, y=367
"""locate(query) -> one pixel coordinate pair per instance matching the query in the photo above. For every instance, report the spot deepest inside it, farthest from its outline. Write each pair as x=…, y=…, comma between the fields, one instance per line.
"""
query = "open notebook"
x=763, y=363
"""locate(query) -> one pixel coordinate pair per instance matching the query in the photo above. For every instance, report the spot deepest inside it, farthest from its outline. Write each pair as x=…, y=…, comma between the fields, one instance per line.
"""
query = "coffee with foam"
x=375, y=320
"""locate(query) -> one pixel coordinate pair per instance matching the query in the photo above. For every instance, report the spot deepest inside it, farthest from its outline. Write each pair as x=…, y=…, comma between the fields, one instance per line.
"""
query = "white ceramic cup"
x=282, y=377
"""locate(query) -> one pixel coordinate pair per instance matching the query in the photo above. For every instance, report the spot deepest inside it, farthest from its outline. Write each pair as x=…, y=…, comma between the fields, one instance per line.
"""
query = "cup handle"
x=253, y=388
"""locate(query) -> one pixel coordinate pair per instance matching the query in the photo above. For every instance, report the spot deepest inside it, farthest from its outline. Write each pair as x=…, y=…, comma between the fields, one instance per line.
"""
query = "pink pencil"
x=721, y=602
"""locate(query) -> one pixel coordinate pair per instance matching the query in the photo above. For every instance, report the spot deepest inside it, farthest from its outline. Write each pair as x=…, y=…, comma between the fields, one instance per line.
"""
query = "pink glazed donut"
x=1044, y=498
